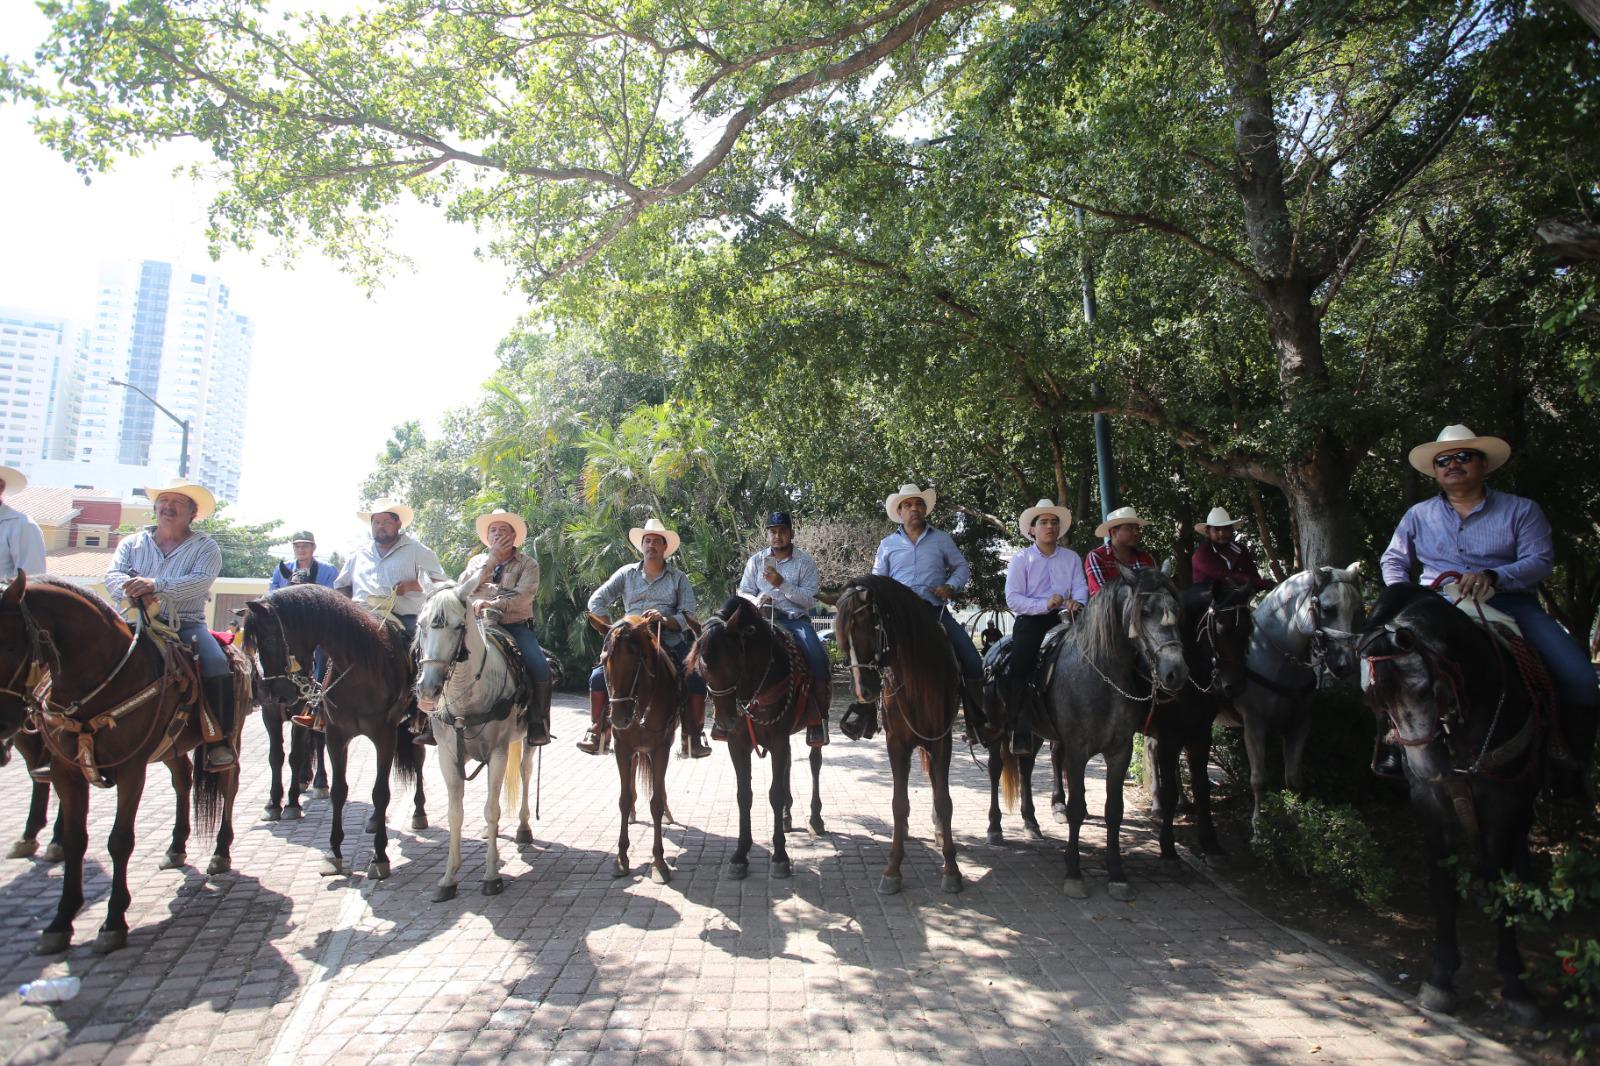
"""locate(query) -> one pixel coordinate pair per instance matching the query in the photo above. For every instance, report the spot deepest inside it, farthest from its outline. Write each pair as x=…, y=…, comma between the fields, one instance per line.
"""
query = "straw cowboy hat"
x=205, y=504
x=1218, y=516
x=388, y=506
x=518, y=524
x=1457, y=438
x=892, y=504
x=1120, y=517
x=653, y=525
x=15, y=480
x=1026, y=519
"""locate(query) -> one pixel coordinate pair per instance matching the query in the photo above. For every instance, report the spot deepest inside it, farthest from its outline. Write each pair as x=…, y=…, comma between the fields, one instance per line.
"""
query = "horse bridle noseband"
x=880, y=660
x=313, y=693
x=747, y=708
x=639, y=672
x=1208, y=626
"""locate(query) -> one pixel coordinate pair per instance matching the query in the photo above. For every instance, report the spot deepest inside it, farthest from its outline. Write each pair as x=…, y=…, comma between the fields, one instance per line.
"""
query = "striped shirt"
x=1033, y=577
x=668, y=593
x=1100, y=565
x=1507, y=534
x=182, y=577
x=371, y=575
x=923, y=566
x=795, y=597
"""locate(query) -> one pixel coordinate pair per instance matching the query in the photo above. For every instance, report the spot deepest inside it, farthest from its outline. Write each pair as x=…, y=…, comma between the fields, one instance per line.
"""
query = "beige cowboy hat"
x=499, y=514
x=1120, y=517
x=15, y=480
x=653, y=525
x=394, y=507
x=892, y=504
x=1456, y=438
x=1218, y=516
x=1026, y=519
x=205, y=504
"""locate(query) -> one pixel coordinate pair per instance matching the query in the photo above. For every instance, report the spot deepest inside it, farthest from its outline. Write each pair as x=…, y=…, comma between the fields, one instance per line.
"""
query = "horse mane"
x=350, y=634
x=916, y=638
x=715, y=629
x=89, y=598
x=498, y=676
x=1100, y=631
x=1478, y=657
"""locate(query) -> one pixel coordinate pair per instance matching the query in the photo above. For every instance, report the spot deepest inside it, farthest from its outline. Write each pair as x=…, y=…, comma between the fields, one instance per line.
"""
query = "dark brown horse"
x=758, y=683
x=366, y=693
x=108, y=701
x=28, y=744
x=645, y=695
x=900, y=658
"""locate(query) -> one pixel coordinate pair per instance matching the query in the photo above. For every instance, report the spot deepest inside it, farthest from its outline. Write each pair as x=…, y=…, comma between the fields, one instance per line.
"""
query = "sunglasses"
x=1461, y=457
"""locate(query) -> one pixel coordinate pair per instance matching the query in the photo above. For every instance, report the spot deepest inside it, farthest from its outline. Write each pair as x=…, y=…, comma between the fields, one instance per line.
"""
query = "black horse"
x=1471, y=729
x=306, y=748
x=1009, y=699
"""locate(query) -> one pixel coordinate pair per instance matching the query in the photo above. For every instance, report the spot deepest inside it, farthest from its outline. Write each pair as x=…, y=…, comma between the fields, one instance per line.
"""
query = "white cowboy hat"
x=1218, y=516
x=1120, y=517
x=388, y=506
x=15, y=480
x=1456, y=438
x=1026, y=518
x=518, y=524
x=653, y=525
x=892, y=504
x=205, y=504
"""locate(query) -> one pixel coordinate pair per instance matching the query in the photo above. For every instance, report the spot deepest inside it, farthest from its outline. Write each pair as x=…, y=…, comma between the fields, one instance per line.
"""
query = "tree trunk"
x=1325, y=525
x=1589, y=11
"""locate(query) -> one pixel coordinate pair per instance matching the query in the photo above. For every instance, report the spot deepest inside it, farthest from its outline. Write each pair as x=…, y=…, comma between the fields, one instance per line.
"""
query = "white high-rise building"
x=171, y=333
x=41, y=373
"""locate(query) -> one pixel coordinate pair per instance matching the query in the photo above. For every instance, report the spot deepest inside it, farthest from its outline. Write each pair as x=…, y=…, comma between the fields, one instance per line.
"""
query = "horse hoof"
x=331, y=867
x=271, y=814
x=1524, y=1012
x=174, y=860
x=293, y=814
x=110, y=940
x=524, y=835
x=619, y=868
x=951, y=882
x=659, y=873
x=738, y=871
x=320, y=792
x=23, y=849
x=419, y=822
x=443, y=893
x=1033, y=831
x=54, y=853
x=782, y=868
x=494, y=886
x=53, y=943
x=1059, y=813
x=372, y=824
x=1439, y=1000
x=377, y=871
x=1073, y=888
x=889, y=884
x=219, y=864
x=996, y=836
x=1120, y=891
x=817, y=828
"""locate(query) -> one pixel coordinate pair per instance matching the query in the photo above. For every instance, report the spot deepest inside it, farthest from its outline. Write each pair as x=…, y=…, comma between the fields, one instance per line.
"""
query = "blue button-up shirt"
x=1505, y=533
x=795, y=597
x=371, y=575
x=324, y=574
x=182, y=577
x=669, y=593
x=1033, y=577
x=932, y=561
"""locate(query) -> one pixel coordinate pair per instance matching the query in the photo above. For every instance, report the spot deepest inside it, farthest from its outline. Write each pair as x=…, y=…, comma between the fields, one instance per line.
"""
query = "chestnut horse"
x=107, y=701
x=901, y=658
x=645, y=694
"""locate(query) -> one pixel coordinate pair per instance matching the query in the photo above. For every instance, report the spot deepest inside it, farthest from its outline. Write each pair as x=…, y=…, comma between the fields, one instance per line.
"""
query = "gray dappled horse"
x=1124, y=647
x=478, y=701
x=1305, y=630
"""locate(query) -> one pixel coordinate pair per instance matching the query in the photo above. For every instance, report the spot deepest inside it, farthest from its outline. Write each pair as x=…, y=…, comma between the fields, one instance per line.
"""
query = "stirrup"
x=590, y=744
x=698, y=748
x=860, y=721
x=221, y=765
x=817, y=735
x=540, y=736
x=1021, y=742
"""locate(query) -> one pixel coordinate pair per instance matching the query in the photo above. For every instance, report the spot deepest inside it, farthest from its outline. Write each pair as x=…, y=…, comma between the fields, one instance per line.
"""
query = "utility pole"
x=183, y=424
x=1104, y=459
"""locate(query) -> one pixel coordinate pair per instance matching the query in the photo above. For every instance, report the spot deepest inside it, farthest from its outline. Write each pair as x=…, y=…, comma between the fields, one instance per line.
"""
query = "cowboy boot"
x=539, y=714
x=694, y=727
x=817, y=735
x=1022, y=719
x=972, y=708
x=1388, y=761
x=860, y=721
x=219, y=696
x=590, y=744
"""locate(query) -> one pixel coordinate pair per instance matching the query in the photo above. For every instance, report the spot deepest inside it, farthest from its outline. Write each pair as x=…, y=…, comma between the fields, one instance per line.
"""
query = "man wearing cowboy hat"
x=306, y=569
x=169, y=569
x=785, y=578
x=925, y=559
x=21, y=543
x=502, y=584
x=1219, y=557
x=1105, y=562
x=660, y=593
x=1500, y=544
x=1044, y=578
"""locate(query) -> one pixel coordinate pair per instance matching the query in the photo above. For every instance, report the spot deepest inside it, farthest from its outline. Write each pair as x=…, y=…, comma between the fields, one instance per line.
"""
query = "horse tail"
x=1010, y=781
x=643, y=782
x=407, y=766
x=208, y=795
x=511, y=789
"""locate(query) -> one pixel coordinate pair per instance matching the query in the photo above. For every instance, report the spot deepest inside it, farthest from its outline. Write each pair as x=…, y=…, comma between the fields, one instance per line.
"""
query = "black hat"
x=779, y=518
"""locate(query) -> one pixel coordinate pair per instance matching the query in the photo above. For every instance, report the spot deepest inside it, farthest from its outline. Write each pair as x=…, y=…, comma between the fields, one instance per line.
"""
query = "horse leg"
x=419, y=799
x=38, y=814
x=222, y=855
x=780, y=797
x=319, y=782
x=1294, y=752
x=1255, y=746
x=1438, y=990
x=378, y=868
x=1507, y=820
x=525, y=768
x=1030, y=818
x=72, y=796
x=1164, y=770
x=182, y=787
x=744, y=796
x=1058, y=793
x=939, y=774
x=816, y=825
x=900, y=762
x=1116, y=773
x=299, y=770
x=338, y=754
x=660, y=872
x=1077, y=808
x=455, y=796
x=130, y=788
x=996, y=767
x=493, y=883
x=1199, y=754
x=273, y=724
x=625, y=795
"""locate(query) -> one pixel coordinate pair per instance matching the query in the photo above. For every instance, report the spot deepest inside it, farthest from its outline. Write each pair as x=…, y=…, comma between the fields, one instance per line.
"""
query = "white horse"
x=466, y=682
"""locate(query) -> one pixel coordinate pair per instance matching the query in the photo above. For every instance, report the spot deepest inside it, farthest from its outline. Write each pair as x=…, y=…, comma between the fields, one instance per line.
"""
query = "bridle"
x=748, y=708
x=640, y=671
x=880, y=664
x=1151, y=655
x=312, y=693
x=1207, y=627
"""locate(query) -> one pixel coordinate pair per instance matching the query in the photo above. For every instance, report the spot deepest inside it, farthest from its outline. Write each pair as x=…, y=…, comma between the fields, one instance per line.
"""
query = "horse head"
x=724, y=646
x=16, y=642
x=1333, y=613
x=860, y=632
x=635, y=666
x=1150, y=615
x=1409, y=644
x=266, y=644
x=441, y=643
x=1218, y=624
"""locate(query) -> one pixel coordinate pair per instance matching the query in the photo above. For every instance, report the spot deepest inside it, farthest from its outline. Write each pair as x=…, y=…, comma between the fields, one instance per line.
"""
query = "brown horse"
x=757, y=680
x=107, y=701
x=367, y=692
x=645, y=694
x=27, y=744
x=900, y=657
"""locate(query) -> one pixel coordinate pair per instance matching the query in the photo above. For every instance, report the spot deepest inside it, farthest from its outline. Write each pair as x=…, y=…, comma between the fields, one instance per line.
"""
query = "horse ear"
x=257, y=608
x=1352, y=573
x=600, y=625
x=14, y=591
x=1132, y=609
x=1127, y=575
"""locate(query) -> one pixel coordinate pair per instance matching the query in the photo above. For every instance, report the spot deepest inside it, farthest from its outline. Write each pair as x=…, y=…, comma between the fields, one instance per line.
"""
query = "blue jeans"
x=810, y=646
x=679, y=651
x=966, y=654
x=532, y=655
x=1569, y=667
x=213, y=660
x=409, y=621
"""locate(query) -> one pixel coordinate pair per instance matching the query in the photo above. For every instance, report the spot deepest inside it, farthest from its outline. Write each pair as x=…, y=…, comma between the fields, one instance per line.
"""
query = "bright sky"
x=333, y=370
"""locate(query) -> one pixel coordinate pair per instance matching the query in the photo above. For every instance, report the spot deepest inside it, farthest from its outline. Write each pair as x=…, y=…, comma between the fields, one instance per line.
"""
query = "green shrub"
x=1328, y=844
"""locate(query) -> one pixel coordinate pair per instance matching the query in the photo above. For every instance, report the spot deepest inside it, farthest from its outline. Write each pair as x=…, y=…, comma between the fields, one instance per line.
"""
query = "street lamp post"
x=183, y=424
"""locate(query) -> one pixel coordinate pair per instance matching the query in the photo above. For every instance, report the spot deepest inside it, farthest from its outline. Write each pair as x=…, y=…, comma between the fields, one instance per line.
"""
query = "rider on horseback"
x=168, y=569
x=1500, y=545
x=660, y=593
x=1220, y=557
x=1042, y=579
x=1105, y=562
x=785, y=578
x=502, y=584
x=21, y=542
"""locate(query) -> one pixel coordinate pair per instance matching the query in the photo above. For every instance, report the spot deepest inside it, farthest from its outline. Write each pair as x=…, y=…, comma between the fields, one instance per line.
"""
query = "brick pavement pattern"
x=274, y=963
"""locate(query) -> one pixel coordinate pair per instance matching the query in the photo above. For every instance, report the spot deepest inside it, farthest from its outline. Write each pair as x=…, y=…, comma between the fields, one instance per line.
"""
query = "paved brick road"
x=274, y=963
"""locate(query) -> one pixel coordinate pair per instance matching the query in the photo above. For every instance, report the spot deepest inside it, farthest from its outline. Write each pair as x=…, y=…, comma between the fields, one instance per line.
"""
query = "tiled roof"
x=46, y=504
x=78, y=562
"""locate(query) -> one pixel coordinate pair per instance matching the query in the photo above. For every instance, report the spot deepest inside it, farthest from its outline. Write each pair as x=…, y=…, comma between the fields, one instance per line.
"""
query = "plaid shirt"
x=183, y=577
x=1100, y=566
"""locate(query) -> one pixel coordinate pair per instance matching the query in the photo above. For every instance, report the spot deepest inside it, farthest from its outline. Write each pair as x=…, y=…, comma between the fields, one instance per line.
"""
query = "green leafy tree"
x=246, y=547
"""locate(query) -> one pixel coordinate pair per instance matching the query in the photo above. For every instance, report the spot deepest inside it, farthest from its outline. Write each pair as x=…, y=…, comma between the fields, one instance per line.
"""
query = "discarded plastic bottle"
x=50, y=989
